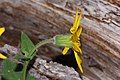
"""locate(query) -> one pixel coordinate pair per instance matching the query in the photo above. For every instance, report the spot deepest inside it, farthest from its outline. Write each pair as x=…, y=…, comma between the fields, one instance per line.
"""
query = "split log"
x=101, y=28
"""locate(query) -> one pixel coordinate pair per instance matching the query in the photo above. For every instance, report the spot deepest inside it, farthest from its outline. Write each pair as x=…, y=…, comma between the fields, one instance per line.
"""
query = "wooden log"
x=53, y=71
x=43, y=70
x=101, y=28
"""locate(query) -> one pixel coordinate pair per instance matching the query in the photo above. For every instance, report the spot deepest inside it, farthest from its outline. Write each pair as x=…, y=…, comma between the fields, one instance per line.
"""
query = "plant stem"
x=25, y=69
x=32, y=55
x=40, y=44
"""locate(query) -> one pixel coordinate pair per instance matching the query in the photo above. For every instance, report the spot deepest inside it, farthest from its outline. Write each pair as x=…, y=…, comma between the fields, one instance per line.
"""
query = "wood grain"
x=101, y=28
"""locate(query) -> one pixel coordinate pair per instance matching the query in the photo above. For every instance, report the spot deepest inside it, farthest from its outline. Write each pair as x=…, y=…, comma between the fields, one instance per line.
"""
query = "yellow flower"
x=2, y=56
x=75, y=33
x=1, y=31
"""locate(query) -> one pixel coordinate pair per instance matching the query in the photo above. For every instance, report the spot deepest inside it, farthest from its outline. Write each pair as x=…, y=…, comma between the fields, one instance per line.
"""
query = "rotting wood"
x=43, y=70
x=101, y=28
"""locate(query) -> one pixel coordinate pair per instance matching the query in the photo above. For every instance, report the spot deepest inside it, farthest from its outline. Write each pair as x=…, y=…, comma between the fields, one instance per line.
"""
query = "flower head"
x=75, y=33
x=1, y=31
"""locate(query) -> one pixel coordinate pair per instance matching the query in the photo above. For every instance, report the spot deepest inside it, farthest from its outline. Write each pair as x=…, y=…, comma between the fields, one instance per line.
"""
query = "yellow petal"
x=73, y=29
x=2, y=56
x=2, y=30
x=79, y=31
x=65, y=50
x=76, y=22
x=76, y=47
x=75, y=37
x=79, y=61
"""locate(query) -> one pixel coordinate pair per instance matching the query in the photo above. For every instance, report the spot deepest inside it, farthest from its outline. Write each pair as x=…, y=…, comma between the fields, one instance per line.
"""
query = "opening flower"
x=72, y=40
x=1, y=31
x=75, y=33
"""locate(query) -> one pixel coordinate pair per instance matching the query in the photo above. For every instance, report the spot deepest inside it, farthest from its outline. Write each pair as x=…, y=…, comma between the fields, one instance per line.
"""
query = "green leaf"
x=26, y=45
x=12, y=71
x=8, y=71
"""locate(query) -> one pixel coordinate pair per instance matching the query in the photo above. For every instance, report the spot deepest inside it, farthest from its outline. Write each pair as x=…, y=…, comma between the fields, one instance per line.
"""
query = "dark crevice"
x=67, y=60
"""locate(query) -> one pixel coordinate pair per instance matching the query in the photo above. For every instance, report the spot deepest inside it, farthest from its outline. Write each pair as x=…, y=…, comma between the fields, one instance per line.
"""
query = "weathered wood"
x=53, y=71
x=43, y=70
x=101, y=28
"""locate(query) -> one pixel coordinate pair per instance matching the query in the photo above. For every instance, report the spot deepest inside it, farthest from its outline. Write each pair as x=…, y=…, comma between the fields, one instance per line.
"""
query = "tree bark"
x=101, y=28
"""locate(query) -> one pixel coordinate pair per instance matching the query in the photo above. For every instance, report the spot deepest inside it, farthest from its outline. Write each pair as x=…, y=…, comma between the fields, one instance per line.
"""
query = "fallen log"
x=43, y=70
x=101, y=29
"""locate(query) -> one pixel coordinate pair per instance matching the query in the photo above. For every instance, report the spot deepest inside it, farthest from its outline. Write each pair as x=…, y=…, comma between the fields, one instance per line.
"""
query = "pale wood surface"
x=43, y=70
x=101, y=28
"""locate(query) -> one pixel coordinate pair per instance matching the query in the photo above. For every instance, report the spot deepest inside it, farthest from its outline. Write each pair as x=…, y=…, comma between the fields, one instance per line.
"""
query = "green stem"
x=32, y=54
x=40, y=44
x=25, y=69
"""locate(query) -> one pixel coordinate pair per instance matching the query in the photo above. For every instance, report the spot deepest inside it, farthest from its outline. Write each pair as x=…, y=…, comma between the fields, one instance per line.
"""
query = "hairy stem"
x=40, y=44
x=25, y=69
